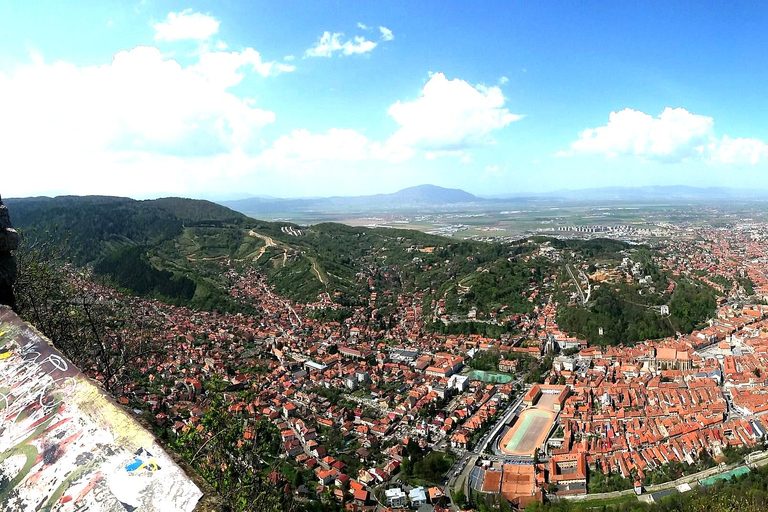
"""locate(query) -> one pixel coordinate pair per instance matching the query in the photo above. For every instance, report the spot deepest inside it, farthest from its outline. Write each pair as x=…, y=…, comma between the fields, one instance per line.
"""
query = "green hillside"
x=178, y=250
x=127, y=241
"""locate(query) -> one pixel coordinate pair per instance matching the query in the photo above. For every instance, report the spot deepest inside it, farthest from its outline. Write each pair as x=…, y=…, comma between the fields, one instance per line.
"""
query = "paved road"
x=501, y=422
x=576, y=282
x=589, y=285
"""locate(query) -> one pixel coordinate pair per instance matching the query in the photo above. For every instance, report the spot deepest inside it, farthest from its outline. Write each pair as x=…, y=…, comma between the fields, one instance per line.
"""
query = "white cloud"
x=328, y=44
x=186, y=25
x=59, y=119
x=461, y=155
x=363, y=26
x=304, y=148
x=360, y=45
x=449, y=115
x=386, y=34
x=302, y=151
x=503, y=80
x=738, y=151
x=674, y=135
x=225, y=69
x=494, y=172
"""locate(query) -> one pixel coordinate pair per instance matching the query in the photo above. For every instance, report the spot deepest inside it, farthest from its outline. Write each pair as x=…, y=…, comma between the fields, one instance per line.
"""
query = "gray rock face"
x=5, y=217
x=7, y=270
x=9, y=241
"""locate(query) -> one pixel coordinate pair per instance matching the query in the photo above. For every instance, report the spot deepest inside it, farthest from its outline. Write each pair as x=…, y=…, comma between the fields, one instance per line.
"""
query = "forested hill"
x=93, y=224
x=197, y=210
x=178, y=249
x=120, y=236
x=91, y=218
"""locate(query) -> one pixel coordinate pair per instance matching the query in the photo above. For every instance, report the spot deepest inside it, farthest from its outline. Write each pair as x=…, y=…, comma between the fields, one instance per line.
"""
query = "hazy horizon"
x=224, y=198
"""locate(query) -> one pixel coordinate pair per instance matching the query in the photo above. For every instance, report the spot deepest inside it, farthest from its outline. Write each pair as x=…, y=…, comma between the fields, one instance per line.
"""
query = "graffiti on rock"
x=65, y=446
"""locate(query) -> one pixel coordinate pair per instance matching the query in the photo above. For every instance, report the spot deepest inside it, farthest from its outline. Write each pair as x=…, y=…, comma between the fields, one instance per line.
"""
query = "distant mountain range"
x=653, y=193
x=419, y=196
x=433, y=197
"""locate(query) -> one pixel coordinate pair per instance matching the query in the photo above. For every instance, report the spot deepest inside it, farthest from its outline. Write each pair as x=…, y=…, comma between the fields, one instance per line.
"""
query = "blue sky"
x=231, y=99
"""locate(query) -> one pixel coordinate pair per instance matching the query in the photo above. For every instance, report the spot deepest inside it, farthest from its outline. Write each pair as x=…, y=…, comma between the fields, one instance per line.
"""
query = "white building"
x=459, y=382
x=395, y=497
x=564, y=363
x=418, y=497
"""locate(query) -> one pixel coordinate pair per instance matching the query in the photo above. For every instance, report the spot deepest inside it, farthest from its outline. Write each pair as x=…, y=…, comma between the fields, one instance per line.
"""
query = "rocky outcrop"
x=9, y=241
x=74, y=433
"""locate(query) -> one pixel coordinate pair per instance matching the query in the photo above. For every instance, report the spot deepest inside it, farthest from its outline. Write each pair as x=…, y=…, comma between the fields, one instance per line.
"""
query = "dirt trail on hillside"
x=267, y=240
x=317, y=271
x=192, y=258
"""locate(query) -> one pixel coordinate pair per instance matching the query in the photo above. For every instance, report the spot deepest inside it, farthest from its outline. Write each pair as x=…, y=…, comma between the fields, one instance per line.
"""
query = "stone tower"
x=9, y=241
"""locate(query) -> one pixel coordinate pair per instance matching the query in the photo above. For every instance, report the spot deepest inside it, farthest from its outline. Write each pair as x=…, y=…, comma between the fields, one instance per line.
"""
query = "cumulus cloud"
x=363, y=26
x=461, y=155
x=303, y=147
x=186, y=25
x=386, y=34
x=674, y=135
x=738, y=151
x=449, y=115
x=303, y=150
x=142, y=106
x=141, y=100
x=328, y=44
x=226, y=69
x=448, y=118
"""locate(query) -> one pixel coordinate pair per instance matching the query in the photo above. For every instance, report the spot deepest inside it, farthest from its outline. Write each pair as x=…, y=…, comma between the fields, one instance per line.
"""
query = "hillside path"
x=267, y=240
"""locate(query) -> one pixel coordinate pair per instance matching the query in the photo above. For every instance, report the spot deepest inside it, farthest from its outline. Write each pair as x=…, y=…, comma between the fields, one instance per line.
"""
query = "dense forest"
x=627, y=317
x=129, y=269
x=604, y=248
x=93, y=225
